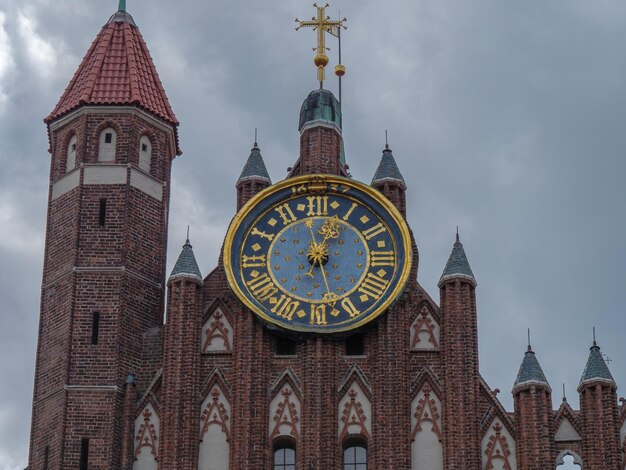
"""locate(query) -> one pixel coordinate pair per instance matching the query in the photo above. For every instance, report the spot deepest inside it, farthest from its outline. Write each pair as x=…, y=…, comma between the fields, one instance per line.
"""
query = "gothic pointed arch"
x=498, y=445
x=355, y=409
x=285, y=407
x=493, y=409
x=426, y=431
x=426, y=375
x=147, y=434
x=567, y=425
x=424, y=333
x=217, y=331
x=215, y=423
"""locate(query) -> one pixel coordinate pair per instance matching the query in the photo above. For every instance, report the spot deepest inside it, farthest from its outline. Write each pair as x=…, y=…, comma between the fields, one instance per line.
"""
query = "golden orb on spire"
x=320, y=60
x=322, y=24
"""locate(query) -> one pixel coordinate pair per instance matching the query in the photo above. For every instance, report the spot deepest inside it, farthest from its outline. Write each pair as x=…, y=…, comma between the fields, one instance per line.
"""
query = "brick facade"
x=117, y=269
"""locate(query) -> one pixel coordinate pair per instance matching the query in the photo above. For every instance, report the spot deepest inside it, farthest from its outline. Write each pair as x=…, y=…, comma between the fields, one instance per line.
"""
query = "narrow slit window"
x=84, y=454
x=46, y=458
x=355, y=345
x=102, y=217
x=95, y=327
x=108, y=137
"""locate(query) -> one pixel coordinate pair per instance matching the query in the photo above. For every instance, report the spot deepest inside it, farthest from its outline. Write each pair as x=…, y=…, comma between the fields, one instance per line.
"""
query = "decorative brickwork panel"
x=498, y=448
x=147, y=427
x=285, y=413
x=217, y=334
x=214, y=452
x=355, y=413
x=424, y=333
x=426, y=446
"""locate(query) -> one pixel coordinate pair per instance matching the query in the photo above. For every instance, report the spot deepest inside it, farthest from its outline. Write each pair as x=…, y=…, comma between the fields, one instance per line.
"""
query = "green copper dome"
x=320, y=106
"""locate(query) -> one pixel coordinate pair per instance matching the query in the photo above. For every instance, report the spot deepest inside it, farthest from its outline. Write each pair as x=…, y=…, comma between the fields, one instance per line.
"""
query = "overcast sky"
x=506, y=118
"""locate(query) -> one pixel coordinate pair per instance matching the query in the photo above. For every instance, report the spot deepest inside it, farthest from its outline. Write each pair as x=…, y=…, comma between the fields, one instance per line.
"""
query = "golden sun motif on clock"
x=321, y=254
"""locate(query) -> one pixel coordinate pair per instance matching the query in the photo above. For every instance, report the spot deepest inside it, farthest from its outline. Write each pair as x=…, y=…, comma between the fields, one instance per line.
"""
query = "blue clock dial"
x=318, y=254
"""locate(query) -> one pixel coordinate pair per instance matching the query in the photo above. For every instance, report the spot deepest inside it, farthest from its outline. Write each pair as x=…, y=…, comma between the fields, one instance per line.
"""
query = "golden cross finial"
x=322, y=24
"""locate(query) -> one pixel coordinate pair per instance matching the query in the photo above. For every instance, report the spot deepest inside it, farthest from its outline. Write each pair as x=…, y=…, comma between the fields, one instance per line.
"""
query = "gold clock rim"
x=375, y=194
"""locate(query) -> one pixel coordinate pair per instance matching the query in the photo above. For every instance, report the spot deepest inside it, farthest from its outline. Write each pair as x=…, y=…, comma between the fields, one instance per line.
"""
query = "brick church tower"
x=223, y=384
x=112, y=141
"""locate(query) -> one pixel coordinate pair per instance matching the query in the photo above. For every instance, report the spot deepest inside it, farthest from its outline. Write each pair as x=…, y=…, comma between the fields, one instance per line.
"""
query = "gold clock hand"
x=328, y=296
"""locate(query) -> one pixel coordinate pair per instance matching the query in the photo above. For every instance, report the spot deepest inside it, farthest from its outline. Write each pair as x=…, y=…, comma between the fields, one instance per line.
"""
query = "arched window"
x=355, y=457
x=145, y=153
x=284, y=457
x=70, y=162
x=108, y=140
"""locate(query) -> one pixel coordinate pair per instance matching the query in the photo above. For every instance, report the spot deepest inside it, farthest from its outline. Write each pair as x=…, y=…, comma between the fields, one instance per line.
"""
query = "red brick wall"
x=117, y=270
x=320, y=152
x=180, y=409
x=533, y=416
x=459, y=345
x=599, y=418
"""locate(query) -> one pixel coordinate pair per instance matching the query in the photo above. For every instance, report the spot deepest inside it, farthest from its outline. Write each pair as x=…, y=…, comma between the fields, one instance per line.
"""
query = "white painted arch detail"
x=560, y=460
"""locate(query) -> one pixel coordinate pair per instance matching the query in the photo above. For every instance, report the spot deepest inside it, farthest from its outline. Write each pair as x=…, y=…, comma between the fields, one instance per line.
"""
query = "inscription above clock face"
x=318, y=253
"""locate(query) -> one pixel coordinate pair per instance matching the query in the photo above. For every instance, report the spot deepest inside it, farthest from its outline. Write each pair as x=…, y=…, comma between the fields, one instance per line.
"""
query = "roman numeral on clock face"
x=254, y=261
x=262, y=287
x=372, y=286
x=318, y=205
x=382, y=258
x=285, y=307
x=286, y=214
x=373, y=231
x=268, y=236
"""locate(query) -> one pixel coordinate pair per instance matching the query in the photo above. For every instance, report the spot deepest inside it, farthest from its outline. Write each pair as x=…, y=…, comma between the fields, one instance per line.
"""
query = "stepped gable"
x=117, y=70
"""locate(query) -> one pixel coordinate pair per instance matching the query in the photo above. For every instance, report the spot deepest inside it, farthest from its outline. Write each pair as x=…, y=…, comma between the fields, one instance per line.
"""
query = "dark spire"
x=596, y=368
x=388, y=170
x=186, y=265
x=530, y=371
x=255, y=166
x=457, y=265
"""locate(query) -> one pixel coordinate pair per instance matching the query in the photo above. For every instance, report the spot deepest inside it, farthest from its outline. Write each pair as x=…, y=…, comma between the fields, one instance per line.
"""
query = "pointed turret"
x=389, y=181
x=596, y=369
x=388, y=171
x=117, y=70
x=457, y=265
x=178, y=441
x=599, y=414
x=254, y=177
x=186, y=265
x=459, y=348
x=532, y=397
x=530, y=372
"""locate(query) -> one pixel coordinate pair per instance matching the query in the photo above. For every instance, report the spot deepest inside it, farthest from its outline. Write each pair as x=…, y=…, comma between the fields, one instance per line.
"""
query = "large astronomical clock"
x=319, y=253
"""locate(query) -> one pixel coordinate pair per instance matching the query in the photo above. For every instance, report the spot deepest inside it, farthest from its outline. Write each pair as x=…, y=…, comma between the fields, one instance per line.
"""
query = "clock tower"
x=311, y=345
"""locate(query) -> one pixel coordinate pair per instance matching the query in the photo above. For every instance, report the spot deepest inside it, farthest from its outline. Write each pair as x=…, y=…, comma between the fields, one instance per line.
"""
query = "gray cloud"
x=506, y=119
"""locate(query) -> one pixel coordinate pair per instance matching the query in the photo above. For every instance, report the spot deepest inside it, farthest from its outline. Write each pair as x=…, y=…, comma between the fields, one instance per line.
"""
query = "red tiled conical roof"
x=117, y=70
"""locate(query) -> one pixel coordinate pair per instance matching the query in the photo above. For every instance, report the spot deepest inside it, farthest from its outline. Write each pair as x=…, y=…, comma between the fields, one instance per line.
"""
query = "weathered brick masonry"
x=216, y=388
